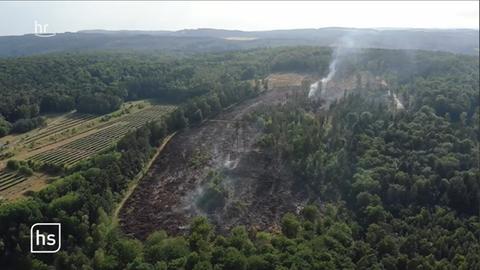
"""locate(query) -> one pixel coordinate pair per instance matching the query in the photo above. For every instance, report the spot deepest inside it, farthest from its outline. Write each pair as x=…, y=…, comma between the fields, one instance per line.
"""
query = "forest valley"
x=338, y=180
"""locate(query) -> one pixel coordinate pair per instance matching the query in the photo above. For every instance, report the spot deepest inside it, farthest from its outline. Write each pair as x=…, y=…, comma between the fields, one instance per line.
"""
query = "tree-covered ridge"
x=189, y=41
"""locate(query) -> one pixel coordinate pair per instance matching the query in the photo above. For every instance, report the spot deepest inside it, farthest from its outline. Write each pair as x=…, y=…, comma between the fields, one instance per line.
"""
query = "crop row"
x=106, y=136
x=103, y=139
x=5, y=175
x=9, y=179
x=139, y=118
x=61, y=156
x=67, y=123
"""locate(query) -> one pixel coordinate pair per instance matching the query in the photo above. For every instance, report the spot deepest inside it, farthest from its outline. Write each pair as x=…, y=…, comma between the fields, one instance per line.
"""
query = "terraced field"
x=69, y=121
x=106, y=136
x=9, y=179
x=72, y=148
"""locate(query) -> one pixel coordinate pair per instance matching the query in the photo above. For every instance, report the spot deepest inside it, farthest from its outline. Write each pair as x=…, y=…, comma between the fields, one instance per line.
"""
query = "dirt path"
x=257, y=186
x=138, y=177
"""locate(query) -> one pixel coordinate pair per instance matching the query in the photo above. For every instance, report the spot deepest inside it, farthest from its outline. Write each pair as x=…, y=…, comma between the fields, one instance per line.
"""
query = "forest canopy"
x=389, y=189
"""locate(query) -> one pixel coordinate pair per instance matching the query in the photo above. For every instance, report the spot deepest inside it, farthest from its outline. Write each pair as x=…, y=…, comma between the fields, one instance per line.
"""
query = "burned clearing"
x=218, y=170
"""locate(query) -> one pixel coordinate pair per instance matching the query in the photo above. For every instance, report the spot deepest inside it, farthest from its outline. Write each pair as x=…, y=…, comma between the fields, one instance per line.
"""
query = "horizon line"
x=253, y=31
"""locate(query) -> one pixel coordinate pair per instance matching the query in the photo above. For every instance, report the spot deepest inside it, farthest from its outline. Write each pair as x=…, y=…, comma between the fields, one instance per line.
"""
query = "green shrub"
x=25, y=171
x=13, y=164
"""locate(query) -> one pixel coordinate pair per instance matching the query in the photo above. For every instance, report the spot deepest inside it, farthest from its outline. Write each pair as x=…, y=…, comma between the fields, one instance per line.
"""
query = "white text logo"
x=41, y=30
x=45, y=237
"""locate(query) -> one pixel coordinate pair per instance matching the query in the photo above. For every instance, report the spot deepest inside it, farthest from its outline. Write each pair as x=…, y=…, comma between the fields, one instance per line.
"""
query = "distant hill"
x=462, y=41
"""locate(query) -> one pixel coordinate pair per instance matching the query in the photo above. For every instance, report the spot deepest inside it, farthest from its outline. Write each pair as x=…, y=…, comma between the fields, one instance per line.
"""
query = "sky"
x=17, y=18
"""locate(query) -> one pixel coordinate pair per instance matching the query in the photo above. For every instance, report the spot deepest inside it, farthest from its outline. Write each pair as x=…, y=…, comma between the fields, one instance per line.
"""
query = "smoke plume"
x=343, y=48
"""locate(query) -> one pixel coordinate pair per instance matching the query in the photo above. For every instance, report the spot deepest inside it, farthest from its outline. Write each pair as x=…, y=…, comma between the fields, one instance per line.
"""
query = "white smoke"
x=398, y=103
x=331, y=72
x=345, y=51
x=346, y=46
x=313, y=89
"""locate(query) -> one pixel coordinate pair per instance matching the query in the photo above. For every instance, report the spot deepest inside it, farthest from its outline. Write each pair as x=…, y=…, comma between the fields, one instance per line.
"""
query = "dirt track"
x=258, y=185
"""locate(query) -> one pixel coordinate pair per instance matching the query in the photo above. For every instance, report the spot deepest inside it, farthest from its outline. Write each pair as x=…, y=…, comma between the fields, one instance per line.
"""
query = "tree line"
x=98, y=83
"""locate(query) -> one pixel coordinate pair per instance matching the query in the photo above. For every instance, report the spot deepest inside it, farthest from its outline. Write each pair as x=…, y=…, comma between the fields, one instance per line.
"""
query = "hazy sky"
x=19, y=17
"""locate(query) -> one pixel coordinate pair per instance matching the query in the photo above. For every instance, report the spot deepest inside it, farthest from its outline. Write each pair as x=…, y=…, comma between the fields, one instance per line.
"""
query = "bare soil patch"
x=280, y=80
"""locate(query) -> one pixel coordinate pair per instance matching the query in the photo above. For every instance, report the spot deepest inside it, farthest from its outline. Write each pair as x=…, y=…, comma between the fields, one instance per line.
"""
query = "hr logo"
x=41, y=30
x=45, y=237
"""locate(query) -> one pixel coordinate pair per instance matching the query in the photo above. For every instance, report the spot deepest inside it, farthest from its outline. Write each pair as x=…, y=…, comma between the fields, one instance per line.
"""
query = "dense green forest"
x=408, y=180
x=98, y=83
x=389, y=189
